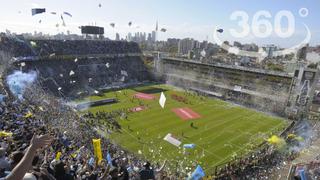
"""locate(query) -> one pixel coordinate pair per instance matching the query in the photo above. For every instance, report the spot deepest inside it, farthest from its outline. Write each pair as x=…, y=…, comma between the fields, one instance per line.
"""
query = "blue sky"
x=181, y=18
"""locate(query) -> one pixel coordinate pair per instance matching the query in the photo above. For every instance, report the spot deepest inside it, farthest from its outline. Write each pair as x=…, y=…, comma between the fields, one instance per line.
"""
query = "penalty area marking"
x=186, y=113
x=144, y=96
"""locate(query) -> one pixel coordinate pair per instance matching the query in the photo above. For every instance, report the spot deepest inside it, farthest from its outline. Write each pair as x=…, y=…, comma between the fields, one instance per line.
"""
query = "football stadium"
x=219, y=130
x=91, y=105
x=191, y=118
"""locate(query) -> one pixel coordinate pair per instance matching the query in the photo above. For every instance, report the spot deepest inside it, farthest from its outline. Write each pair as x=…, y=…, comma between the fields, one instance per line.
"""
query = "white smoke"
x=18, y=81
x=304, y=130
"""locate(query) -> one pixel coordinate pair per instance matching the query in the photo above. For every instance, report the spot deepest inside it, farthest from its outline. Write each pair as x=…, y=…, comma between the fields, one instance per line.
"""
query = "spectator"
x=20, y=170
x=4, y=163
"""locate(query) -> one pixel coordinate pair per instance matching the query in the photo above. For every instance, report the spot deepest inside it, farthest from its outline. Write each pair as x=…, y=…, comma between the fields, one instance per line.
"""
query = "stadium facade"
x=288, y=95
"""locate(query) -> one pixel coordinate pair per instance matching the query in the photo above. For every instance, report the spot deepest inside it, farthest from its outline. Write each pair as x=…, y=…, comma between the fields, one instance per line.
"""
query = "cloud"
x=35, y=5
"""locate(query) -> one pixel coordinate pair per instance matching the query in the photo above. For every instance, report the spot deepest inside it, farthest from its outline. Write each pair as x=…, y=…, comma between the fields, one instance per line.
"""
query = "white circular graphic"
x=303, y=12
x=261, y=54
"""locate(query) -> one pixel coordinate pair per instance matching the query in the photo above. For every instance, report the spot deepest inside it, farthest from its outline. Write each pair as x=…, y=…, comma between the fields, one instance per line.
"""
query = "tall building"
x=156, y=35
x=117, y=37
x=270, y=49
x=196, y=45
x=129, y=37
x=143, y=37
x=302, y=53
x=186, y=45
x=173, y=42
x=153, y=36
x=157, y=26
x=149, y=39
x=204, y=45
x=237, y=44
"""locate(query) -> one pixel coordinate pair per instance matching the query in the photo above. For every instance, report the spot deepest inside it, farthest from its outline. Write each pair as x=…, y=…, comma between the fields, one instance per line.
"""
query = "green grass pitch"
x=224, y=131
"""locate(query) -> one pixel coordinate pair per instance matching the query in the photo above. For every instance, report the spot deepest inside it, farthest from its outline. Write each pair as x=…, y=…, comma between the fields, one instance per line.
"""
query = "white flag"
x=172, y=140
x=71, y=73
x=162, y=100
x=124, y=73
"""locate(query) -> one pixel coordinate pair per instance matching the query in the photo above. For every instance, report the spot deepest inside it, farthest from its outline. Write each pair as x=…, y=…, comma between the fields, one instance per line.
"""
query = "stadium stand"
x=73, y=67
x=16, y=47
x=21, y=123
x=88, y=74
x=83, y=47
x=41, y=120
x=261, y=89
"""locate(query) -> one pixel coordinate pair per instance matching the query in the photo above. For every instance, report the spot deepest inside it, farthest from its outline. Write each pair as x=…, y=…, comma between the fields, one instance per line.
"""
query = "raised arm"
x=163, y=165
x=24, y=165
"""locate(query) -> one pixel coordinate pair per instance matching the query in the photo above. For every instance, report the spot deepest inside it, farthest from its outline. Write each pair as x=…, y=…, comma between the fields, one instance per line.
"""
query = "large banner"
x=97, y=149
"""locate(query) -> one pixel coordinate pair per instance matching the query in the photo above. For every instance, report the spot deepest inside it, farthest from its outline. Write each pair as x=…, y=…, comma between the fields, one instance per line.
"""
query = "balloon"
x=220, y=30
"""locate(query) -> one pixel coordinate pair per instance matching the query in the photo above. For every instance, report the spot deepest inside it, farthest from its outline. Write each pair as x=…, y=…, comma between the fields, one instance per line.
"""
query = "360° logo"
x=261, y=27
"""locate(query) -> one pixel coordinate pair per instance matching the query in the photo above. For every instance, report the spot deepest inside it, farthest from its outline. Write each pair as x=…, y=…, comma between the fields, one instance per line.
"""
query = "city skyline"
x=194, y=19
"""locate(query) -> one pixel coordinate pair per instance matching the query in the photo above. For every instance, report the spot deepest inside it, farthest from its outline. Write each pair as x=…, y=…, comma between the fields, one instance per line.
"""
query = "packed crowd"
x=18, y=46
x=70, y=75
x=309, y=170
x=83, y=47
x=49, y=140
x=107, y=119
x=259, y=165
x=180, y=98
x=15, y=46
x=270, y=162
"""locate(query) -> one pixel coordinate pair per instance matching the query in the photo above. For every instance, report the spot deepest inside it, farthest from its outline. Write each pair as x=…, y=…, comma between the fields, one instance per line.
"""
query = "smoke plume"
x=18, y=81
